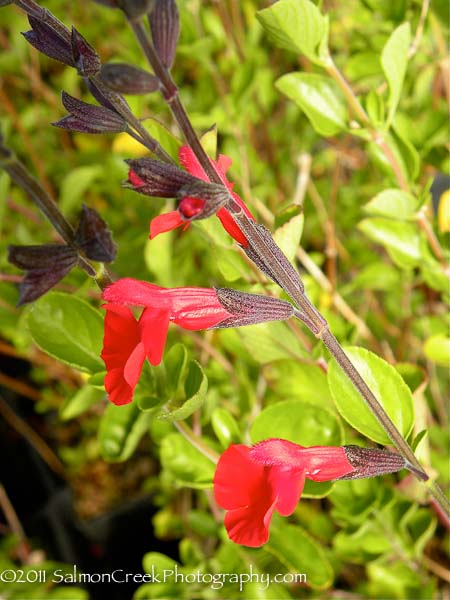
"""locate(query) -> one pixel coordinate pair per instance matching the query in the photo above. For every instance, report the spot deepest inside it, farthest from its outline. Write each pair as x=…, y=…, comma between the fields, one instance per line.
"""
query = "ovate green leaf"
x=393, y=203
x=394, y=59
x=297, y=25
x=69, y=329
x=401, y=240
x=319, y=98
x=387, y=386
x=300, y=554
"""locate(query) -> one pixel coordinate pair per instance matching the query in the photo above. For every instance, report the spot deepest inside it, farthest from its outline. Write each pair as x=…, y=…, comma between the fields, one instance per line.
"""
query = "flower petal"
x=137, y=293
x=153, y=326
x=120, y=341
x=250, y=526
x=238, y=481
x=288, y=486
x=165, y=222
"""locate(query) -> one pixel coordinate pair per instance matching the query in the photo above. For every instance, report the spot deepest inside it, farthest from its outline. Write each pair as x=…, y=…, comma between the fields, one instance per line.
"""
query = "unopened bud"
x=86, y=59
x=89, y=118
x=128, y=79
x=370, y=462
x=93, y=236
x=165, y=25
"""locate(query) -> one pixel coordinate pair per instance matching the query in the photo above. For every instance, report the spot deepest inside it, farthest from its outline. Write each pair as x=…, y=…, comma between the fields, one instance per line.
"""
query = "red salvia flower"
x=128, y=342
x=189, y=206
x=252, y=483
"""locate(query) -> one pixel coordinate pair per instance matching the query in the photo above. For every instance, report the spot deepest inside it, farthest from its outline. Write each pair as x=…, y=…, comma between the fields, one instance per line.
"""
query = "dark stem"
x=21, y=177
x=170, y=93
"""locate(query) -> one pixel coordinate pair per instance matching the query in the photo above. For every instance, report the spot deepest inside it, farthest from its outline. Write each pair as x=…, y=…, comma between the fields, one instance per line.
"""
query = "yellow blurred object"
x=326, y=300
x=444, y=212
x=125, y=144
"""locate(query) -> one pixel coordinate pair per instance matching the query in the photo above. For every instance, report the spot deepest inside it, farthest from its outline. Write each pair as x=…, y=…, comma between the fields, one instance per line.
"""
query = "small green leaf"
x=387, y=386
x=288, y=235
x=69, y=329
x=437, y=349
x=393, y=203
x=225, y=427
x=80, y=402
x=300, y=554
x=187, y=465
x=401, y=240
x=121, y=430
x=297, y=25
x=319, y=98
x=394, y=60
x=195, y=386
x=175, y=362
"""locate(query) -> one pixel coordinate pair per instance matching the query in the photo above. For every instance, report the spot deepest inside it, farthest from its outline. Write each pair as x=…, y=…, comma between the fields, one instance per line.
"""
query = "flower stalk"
x=264, y=252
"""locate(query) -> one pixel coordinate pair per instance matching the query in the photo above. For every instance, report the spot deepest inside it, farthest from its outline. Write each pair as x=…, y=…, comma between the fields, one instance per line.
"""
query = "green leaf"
x=288, y=235
x=187, y=465
x=195, y=386
x=175, y=362
x=387, y=386
x=121, y=430
x=297, y=25
x=393, y=203
x=320, y=99
x=164, y=584
x=394, y=60
x=401, y=240
x=69, y=329
x=271, y=341
x=75, y=185
x=437, y=349
x=225, y=427
x=300, y=554
x=80, y=402
x=299, y=422
x=158, y=257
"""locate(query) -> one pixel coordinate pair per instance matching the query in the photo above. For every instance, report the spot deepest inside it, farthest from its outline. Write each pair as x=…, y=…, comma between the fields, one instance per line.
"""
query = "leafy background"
x=307, y=172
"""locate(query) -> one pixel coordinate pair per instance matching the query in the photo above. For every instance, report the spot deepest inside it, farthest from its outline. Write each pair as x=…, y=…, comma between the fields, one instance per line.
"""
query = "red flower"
x=251, y=483
x=128, y=342
x=190, y=206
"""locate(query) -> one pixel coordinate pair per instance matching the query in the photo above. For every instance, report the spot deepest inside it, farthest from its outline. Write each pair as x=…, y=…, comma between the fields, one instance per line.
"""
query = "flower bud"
x=128, y=79
x=165, y=25
x=49, y=41
x=155, y=178
x=86, y=59
x=44, y=267
x=370, y=462
x=89, y=118
x=93, y=236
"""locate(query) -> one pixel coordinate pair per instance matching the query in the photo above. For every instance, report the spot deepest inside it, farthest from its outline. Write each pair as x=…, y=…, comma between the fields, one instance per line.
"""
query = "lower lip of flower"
x=190, y=207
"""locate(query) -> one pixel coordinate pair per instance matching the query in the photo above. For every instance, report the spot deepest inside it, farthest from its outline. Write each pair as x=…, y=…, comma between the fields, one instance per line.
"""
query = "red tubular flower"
x=127, y=342
x=189, y=206
x=251, y=483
